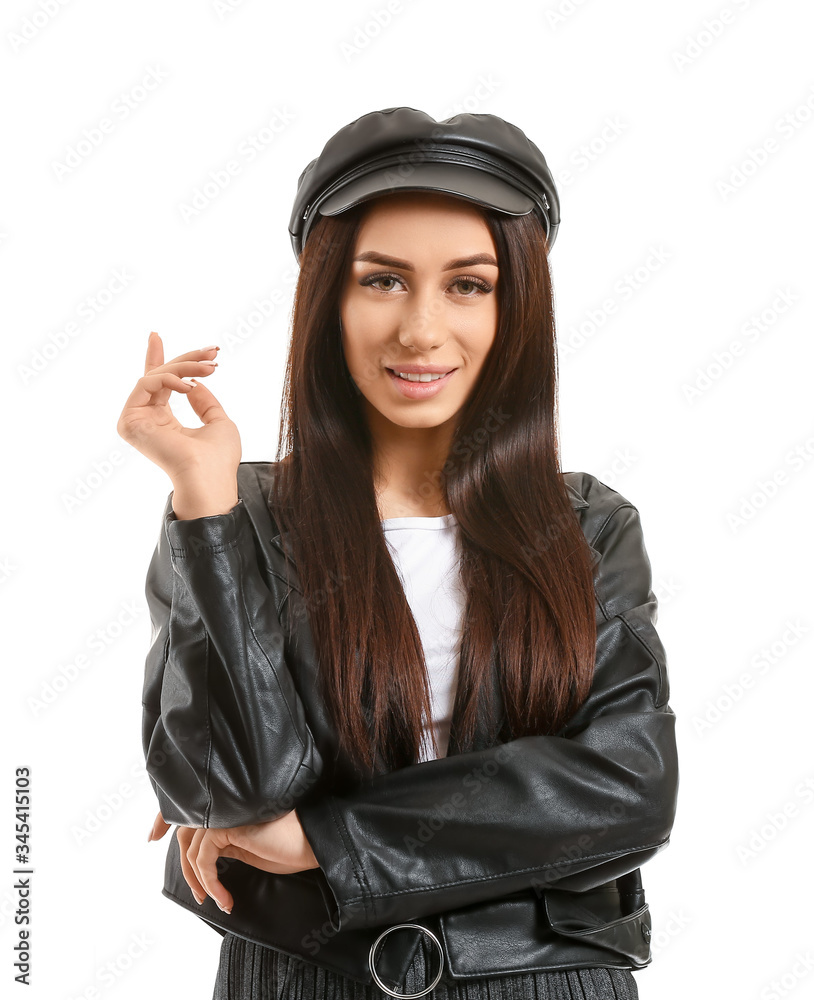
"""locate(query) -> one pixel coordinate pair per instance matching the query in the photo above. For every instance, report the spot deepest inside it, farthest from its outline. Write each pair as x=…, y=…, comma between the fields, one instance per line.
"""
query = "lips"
x=417, y=389
x=398, y=372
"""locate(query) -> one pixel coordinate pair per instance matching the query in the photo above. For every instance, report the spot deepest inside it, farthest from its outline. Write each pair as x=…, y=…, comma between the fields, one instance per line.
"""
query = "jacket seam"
x=356, y=866
x=281, y=604
x=207, y=767
x=265, y=656
x=180, y=551
x=610, y=514
x=283, y=580
x=208, y=810
x=593, y=542
x=518, y=871
x=659, y=703
x=269, y=569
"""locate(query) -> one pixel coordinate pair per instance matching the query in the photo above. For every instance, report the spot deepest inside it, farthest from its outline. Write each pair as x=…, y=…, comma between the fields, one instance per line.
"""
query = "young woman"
x=405, y=700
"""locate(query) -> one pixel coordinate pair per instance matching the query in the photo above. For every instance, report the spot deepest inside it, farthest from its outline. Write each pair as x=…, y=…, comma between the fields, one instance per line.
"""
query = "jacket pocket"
x=584, y=916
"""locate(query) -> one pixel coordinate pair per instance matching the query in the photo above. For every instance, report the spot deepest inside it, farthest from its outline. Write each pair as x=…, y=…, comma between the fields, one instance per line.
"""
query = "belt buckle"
x=392, y=993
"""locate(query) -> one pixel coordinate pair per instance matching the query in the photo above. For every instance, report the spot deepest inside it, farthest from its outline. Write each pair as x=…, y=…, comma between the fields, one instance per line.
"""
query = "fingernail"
x=190, y=381
x=149, y=836
x=224, y=908
x=198, y=899
x=212, y=347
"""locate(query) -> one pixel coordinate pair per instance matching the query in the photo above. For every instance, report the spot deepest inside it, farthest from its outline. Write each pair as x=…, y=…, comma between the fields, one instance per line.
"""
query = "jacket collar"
x=578, y=501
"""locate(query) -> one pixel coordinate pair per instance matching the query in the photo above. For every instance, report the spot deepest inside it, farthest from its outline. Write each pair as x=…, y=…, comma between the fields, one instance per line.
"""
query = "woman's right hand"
x=205, y=457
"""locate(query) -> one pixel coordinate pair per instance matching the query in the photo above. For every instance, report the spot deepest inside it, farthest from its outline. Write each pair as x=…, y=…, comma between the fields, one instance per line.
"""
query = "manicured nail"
x=198, y=899
x=224, y=908
x=212, y=347
x=190, y=381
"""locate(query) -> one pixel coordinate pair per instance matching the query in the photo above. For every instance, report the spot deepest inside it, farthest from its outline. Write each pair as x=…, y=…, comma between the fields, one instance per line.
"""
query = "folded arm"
x=572, y=810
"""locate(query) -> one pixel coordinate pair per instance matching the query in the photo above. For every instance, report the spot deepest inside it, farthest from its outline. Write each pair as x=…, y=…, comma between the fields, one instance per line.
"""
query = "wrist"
x=190, y=500
x=309, y=859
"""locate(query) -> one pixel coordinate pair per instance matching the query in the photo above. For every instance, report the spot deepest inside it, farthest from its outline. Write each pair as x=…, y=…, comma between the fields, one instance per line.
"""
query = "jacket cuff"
x=198, y=535
x=349, y=903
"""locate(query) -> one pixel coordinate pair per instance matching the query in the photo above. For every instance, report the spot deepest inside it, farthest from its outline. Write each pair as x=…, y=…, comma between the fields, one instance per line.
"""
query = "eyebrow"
x=375, y=257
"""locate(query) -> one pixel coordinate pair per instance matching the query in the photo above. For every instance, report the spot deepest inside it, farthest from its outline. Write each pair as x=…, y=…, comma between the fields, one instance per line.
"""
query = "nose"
x=422, y=327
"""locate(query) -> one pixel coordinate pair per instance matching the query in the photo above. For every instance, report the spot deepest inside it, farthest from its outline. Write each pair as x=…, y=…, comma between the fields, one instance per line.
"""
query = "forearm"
x=532, y=813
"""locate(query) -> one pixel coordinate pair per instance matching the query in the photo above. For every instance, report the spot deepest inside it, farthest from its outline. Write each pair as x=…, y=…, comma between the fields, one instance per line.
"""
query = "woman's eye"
x=469, y=287
x=383, y=277
x=476, y=286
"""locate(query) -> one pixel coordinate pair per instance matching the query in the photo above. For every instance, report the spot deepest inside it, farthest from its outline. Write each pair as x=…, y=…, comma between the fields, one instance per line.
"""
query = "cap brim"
x=446, y=178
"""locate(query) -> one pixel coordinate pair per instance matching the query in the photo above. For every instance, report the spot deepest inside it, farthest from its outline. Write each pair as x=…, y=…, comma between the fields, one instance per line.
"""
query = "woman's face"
x=421, y=291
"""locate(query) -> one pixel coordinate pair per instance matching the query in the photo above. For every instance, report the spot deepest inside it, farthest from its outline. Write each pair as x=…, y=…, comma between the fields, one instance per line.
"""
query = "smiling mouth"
x=420, y=376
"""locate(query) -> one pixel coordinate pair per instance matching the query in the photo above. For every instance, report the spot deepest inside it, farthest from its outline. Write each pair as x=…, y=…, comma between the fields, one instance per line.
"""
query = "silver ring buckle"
x=405, y=996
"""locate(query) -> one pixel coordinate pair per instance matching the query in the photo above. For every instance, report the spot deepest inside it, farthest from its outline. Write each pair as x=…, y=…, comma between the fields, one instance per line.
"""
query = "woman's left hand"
x=279, y=846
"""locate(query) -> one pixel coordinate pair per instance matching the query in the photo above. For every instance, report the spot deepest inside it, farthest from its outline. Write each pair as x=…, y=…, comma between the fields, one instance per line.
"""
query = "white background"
x=681, y=137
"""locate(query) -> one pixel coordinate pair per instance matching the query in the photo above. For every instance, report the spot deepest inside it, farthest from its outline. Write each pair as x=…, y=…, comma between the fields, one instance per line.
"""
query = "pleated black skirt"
x=249, y=971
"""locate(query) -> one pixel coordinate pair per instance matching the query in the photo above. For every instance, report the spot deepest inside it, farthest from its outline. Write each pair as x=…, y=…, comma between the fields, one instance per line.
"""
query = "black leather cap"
x=479, y=157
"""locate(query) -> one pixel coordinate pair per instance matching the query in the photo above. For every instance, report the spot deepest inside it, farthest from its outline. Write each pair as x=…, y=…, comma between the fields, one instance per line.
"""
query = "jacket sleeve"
x=571, y=810
x=223, y=728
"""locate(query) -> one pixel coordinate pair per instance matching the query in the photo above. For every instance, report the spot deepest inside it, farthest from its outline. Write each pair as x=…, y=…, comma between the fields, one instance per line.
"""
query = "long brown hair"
x=525, y=565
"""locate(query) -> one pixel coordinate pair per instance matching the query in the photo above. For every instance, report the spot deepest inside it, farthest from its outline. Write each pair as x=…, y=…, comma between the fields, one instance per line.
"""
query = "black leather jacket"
x=519, y=856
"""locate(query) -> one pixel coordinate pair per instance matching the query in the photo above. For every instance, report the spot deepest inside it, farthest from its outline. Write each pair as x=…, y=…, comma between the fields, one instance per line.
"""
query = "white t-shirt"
x=425, y=553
